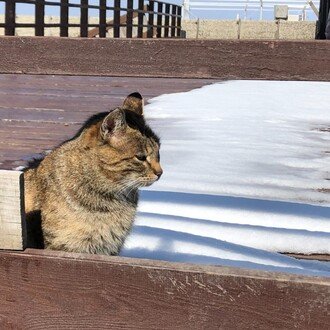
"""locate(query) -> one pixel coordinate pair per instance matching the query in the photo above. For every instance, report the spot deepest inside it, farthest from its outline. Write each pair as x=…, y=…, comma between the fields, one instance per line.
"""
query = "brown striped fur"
x=83, y=196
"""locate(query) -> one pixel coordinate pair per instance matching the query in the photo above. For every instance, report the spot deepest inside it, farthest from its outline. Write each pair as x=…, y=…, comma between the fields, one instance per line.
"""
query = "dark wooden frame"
x=144, y=8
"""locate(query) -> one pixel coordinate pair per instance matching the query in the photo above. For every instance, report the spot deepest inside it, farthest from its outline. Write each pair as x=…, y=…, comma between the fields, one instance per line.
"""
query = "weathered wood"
x=39, y=112
x=48, y=290
x=225, y=59
x=12, y=224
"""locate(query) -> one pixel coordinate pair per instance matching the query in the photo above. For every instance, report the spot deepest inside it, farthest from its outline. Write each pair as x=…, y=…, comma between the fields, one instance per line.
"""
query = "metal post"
x=186, y=9
x=246, y=9
x=261, y=9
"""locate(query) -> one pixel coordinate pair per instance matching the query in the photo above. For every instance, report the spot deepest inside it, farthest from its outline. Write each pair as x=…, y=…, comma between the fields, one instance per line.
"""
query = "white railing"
x=261, y=6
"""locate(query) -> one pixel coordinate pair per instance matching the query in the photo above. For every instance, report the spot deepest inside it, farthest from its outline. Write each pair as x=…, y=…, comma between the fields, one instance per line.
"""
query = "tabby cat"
x=82, y=197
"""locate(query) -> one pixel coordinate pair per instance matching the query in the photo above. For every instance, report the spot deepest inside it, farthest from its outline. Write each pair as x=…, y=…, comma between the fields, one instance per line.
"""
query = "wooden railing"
x=150, y=18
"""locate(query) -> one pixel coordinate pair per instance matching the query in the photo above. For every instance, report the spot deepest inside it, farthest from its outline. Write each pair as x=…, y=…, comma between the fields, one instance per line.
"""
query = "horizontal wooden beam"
x=43, y=289
x=12, y=215
x=223, y=59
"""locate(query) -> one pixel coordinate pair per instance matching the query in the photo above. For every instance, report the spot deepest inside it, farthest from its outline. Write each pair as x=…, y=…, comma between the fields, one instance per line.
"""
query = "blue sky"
x=28, y=9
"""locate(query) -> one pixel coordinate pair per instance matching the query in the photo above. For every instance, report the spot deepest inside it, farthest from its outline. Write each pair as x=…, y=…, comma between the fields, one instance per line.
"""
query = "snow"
x=246, y=175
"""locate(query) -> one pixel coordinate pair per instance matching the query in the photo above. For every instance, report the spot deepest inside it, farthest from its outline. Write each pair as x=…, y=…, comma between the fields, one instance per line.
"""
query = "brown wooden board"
x=39, y=112
x=224, y=59
x=54, y=290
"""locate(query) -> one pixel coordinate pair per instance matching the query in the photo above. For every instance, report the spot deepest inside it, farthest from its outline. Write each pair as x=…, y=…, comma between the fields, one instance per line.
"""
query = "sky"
x=28, y=9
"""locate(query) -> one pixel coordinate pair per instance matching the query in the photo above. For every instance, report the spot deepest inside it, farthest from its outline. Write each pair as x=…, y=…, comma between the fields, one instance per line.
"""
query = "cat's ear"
x=113, y=124
x=134, y=102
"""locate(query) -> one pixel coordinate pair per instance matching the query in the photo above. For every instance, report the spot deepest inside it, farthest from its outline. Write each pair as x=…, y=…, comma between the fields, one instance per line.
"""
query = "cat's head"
x=128, y=150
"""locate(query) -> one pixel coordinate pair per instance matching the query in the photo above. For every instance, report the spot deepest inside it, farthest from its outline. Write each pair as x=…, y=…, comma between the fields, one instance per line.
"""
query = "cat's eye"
x=141, y=158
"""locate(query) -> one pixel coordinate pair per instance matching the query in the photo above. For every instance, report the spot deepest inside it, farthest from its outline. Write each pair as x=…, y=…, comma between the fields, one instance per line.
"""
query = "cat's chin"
x=148, y=183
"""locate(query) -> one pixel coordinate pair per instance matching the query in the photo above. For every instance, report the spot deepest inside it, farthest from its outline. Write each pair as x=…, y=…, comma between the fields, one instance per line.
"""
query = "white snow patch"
x=246, y=170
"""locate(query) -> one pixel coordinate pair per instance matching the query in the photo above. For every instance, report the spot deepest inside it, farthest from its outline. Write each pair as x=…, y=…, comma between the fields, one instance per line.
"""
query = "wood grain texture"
x=224, y=59
x=12, y=224
x=49, y=290
x=39, y=112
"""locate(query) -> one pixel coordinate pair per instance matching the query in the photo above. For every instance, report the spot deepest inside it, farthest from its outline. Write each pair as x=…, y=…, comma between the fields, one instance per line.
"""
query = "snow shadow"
x=239, y=203
x=171, y=247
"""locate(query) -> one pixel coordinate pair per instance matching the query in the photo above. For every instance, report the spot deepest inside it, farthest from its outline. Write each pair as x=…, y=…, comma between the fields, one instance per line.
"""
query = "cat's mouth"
x=146, y=182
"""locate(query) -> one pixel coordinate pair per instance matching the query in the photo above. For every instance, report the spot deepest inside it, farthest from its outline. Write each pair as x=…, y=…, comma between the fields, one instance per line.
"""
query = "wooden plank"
x=98, y=292
x=12, y=223
x=224, y=59
x=39, y=112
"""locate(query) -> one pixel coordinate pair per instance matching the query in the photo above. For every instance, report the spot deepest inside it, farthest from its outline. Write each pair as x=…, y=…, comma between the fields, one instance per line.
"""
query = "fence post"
x=116, y=19
x=140, y=19
x=159, y=19
x=129, y=19
x=64, y=29
x=40, y=18
x=10, y=18
x=103, y=19
x=167, y=20
x=151, y=7
x=179, y=12
x=173, y=21
x=84, y=19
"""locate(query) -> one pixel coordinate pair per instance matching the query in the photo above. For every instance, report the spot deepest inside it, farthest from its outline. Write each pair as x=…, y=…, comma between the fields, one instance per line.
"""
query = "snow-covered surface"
x=246, y=175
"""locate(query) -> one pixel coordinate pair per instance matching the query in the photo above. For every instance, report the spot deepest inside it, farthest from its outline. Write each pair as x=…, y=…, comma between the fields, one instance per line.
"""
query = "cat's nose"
x=159, y=173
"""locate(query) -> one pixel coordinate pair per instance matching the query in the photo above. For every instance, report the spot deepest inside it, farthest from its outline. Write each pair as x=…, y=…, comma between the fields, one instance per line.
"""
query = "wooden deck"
x=39, y=112
x=47, y=290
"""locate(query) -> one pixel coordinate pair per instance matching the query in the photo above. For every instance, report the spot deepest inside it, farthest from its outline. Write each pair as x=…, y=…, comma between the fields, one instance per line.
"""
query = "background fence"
x=139, y=18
